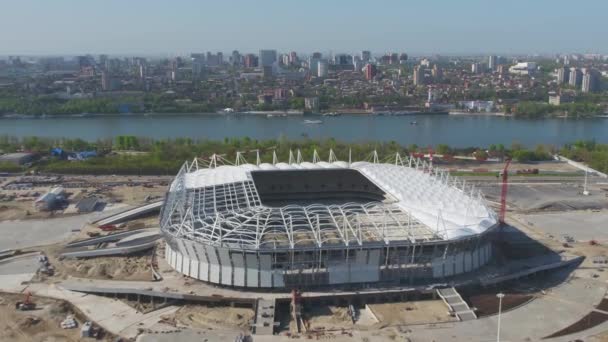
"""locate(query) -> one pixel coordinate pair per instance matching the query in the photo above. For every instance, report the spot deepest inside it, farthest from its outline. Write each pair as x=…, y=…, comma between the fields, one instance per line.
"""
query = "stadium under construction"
x=324, y=223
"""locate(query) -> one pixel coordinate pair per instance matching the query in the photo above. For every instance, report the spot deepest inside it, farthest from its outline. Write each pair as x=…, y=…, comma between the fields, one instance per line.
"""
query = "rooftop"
x=322, y=204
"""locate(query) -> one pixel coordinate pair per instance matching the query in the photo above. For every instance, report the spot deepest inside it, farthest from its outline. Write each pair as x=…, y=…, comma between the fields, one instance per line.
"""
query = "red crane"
x=503, y=194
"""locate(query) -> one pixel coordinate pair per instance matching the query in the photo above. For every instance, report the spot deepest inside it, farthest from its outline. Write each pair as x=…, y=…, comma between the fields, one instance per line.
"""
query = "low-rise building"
x=523, y=68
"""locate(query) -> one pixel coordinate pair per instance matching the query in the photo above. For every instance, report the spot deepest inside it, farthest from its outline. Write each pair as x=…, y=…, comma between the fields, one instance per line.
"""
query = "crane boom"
x=503, y=194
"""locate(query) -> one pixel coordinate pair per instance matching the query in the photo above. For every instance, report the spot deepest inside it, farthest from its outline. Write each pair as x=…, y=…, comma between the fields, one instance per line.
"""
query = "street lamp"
x=500, y=296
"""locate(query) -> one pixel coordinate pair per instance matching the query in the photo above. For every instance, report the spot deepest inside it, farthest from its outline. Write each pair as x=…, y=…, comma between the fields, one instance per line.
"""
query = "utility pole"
x=500, y=296
x=585, y=191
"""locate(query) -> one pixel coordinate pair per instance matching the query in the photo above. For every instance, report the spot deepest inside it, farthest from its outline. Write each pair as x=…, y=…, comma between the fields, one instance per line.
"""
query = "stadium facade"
x=319, y=224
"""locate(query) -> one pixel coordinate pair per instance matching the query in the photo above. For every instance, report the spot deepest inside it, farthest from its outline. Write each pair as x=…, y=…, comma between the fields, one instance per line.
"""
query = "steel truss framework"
x=232, y=215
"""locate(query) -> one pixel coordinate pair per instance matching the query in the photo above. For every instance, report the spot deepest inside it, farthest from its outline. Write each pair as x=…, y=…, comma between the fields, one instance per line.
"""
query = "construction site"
x=389, y=249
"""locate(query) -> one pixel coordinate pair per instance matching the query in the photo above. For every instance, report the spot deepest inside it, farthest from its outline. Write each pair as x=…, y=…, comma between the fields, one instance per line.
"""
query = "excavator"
x=26, y=304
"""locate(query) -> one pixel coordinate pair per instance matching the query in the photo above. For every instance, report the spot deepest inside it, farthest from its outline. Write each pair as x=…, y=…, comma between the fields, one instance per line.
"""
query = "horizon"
x=183, y=26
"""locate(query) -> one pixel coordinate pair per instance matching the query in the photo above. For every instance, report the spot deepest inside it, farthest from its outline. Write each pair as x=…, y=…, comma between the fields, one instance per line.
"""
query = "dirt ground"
x=202, y=317
x=415, y=312
x=327, y=317
x=18, y=204
x=21, y=210
x=133, y=268
x=487, y=304
x=40, y=325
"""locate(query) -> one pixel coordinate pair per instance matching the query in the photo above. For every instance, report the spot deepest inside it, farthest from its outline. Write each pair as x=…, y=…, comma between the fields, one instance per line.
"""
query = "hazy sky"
x=421, y=26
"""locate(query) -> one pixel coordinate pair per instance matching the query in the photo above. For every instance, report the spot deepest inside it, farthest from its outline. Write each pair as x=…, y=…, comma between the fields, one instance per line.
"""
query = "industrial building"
x=319, y=224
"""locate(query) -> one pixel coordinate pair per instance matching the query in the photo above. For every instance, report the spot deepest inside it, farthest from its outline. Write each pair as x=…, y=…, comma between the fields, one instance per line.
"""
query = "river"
x=456, y=131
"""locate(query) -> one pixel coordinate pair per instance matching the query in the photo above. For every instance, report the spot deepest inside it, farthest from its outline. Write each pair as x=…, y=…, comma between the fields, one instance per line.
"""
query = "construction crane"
x=503, y=194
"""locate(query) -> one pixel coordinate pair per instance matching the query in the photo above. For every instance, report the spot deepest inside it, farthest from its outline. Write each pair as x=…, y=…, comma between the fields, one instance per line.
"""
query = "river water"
x=456, y=131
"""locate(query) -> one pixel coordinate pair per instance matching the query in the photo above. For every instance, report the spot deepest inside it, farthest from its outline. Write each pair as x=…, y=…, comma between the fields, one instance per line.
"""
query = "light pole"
x=500, y=296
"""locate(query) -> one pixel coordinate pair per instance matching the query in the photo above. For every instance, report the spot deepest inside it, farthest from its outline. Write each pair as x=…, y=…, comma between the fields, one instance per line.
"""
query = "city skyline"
x=183, y=26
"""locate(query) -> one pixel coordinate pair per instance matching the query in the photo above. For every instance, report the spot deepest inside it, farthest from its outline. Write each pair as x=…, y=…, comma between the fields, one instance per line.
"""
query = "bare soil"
x=203, y=317
x=414, y=312
x=41, y=324
x=327, y=317
x=487, y=304
x=135, y=268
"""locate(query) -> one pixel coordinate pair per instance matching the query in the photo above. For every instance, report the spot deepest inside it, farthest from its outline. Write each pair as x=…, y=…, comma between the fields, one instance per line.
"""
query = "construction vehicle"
x=26, y=304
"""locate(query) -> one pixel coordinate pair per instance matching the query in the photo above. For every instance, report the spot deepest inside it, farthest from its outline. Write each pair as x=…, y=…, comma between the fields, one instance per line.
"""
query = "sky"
x=172, y=27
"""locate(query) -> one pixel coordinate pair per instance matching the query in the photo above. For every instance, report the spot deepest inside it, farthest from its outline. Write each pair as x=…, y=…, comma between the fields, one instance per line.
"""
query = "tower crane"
x=503, y=193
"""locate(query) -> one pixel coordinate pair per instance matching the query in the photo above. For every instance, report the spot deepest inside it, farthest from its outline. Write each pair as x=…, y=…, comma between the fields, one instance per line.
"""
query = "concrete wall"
x=363, y=269
x=461, y=262
x=241, y=269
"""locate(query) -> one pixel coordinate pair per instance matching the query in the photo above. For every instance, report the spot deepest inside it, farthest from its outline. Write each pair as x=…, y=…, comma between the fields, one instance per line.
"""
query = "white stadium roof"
x=423, y=204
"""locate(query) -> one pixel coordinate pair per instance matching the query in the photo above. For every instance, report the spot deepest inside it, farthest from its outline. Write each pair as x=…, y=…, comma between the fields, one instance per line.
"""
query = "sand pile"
x=117, y=268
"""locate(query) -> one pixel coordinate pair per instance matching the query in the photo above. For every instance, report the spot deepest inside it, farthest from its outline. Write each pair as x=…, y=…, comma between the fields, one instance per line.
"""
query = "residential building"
x=235, y=59
x=477, y=68
x=575, y=77
x=342, y=59
x=419, y=75
x=591, y=81
x=437, y=73
x=366, y=56
x=293, y=57
x=250, y=61
x=311, y=103
x=313, y=65
x=558, y=99
x=523, y=68
x=563, y=75
x=268, y=57
x=106, y=81
x=322, y=68
x=492, y=63
x=370, y=71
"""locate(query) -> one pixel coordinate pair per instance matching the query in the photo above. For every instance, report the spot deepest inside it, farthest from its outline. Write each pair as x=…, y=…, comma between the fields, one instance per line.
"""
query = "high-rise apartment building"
x=370, y=71
x=268, y=57
x=366, y=56
x=576, y=77
x=492, y=63
x=419, y=75
x=563, y=75
x=323, y=68
x=591, y=81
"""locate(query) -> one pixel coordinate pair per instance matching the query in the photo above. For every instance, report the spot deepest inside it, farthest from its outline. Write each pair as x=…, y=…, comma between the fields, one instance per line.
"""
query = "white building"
x=477, y=106
x=523, y=68
x=322, y=68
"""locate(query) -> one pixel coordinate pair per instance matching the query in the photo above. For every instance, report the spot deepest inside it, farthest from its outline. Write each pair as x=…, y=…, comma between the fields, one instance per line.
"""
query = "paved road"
x=581, y=225
x=31, y=233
